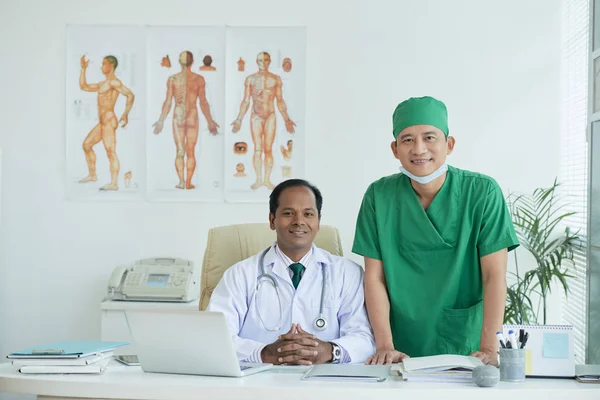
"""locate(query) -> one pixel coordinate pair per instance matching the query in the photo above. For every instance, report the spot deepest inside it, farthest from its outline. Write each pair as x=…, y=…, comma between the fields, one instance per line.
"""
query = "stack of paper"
x=587, y=373
x=69, y=357
x=442, y=368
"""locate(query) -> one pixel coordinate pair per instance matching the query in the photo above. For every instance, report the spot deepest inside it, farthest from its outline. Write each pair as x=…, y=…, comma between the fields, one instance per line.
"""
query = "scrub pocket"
x=460, y=329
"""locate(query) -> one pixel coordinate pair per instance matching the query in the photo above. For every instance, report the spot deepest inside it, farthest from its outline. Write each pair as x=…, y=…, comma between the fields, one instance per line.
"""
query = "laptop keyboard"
x=243, y=367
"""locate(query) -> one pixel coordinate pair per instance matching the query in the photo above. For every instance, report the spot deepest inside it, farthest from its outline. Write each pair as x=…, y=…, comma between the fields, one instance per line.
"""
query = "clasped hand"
x=297, y=347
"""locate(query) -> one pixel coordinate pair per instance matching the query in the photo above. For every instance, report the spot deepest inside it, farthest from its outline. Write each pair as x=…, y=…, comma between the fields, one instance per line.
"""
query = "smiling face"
x=296, y=221
x=422, y=149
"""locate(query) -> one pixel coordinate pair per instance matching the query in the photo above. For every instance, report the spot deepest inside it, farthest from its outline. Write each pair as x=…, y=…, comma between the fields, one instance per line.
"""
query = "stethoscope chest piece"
x=320, y=323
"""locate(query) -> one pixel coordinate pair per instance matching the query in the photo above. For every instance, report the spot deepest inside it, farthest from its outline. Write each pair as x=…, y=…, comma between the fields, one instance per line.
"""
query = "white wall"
x=495, y=64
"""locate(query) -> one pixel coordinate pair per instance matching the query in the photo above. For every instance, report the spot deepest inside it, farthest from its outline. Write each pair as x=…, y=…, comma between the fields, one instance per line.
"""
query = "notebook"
x=549, y=351
x=94, y=358
x=344, y=372
x=66, y=349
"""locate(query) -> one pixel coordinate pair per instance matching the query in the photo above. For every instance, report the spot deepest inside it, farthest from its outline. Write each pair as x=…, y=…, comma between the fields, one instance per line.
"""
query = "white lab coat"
x=343, y=308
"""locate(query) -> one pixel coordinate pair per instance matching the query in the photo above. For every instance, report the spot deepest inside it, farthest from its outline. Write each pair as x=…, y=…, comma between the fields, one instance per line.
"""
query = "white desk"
x=122, y=382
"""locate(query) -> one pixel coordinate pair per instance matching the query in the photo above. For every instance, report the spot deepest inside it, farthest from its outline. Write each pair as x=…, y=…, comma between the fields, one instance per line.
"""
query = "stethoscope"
x=320, y=323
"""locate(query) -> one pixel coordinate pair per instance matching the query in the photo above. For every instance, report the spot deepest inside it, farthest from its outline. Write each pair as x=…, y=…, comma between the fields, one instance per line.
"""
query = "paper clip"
x=47, y=351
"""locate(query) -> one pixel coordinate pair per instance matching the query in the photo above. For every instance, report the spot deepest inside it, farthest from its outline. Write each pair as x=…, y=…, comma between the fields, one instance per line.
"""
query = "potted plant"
x=539, y=221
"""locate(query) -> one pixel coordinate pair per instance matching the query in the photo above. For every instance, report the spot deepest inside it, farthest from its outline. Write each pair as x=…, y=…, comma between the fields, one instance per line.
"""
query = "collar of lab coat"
x=319, y=258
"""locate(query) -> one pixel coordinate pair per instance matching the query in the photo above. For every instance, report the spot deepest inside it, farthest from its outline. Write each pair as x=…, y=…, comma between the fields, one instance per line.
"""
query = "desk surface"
x=123, y=382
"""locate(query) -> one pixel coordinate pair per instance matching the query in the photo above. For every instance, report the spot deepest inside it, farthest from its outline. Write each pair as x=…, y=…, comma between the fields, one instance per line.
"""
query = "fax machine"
x=154, y=279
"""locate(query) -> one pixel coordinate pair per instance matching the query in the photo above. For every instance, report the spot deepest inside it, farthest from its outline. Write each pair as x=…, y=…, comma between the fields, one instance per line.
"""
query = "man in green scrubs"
x=435, y=241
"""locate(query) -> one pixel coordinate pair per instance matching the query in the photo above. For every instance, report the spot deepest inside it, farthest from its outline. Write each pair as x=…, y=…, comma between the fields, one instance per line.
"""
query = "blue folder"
x=66, y=349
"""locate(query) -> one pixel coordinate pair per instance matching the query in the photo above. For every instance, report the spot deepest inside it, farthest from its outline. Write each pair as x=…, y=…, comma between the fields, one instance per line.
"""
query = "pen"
x=513, y=339
x=524, y=342
x=500, y=339
x=521, y=335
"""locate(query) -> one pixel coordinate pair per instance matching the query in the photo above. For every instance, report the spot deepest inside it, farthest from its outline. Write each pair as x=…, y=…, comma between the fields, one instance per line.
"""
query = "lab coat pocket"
x=328, y=303
x=331, y=307
x=460, y=329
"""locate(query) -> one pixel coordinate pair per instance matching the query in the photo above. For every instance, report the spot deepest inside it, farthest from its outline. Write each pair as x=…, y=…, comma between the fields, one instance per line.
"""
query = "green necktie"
x=297, y=269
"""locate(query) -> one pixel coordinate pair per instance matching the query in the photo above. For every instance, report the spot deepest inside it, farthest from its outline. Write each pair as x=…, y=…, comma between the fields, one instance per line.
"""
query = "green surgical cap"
x=420, y=111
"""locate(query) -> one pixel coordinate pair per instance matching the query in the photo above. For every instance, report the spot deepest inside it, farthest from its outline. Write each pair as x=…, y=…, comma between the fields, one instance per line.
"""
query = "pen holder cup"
x=512, y=365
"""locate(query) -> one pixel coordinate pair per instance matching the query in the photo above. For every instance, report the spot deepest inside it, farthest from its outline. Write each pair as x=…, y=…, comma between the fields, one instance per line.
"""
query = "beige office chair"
x=227, y=245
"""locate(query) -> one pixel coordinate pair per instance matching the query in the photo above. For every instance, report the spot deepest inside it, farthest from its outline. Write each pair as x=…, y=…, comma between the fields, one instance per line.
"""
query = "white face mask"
x=428, y=178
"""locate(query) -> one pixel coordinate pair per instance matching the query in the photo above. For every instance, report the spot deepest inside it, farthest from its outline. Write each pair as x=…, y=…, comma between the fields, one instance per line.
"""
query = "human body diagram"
x=105, y=131
x=261, y=90
x=186, y=89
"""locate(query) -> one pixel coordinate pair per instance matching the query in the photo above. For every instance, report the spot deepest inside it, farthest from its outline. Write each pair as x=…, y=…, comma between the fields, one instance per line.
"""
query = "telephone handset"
x=154, y=279
x=116, y=278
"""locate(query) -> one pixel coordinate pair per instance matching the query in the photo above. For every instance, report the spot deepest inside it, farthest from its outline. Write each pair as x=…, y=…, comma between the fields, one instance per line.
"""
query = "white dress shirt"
x=343, y=307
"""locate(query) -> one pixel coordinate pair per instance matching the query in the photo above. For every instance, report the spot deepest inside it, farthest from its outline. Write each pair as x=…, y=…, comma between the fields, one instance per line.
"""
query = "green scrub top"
x=431, y=259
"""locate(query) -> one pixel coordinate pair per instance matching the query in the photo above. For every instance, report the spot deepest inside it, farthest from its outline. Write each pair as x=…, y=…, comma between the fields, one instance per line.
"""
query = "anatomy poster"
x=185, y=113
x=105, y=113
x=265, y=110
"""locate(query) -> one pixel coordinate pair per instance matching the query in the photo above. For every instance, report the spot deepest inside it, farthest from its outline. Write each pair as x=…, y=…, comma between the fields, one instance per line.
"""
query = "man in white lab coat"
x=295, y=303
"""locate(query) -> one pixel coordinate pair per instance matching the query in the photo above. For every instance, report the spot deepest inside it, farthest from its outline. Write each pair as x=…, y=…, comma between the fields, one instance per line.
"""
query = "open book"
x=344, y=372
x=441, y=368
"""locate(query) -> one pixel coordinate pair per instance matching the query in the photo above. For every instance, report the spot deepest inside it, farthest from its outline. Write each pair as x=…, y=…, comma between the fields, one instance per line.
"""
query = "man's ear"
x=394, y=147
x=272, y=221
x=451, y=143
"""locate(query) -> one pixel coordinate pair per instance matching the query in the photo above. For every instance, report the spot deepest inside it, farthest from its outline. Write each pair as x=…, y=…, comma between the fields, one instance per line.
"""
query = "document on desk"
x=352, y=372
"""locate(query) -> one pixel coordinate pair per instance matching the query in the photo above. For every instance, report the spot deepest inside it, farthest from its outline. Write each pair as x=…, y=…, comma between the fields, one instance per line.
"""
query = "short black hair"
x=274, y=196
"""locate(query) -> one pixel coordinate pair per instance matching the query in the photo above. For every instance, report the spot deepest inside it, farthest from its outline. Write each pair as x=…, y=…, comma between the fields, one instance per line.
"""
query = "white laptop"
x=186, y=342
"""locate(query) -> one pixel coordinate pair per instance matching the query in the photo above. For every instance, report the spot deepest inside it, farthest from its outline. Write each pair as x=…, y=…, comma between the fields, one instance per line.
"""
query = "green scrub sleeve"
x=497, y=231
x=366, y=238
